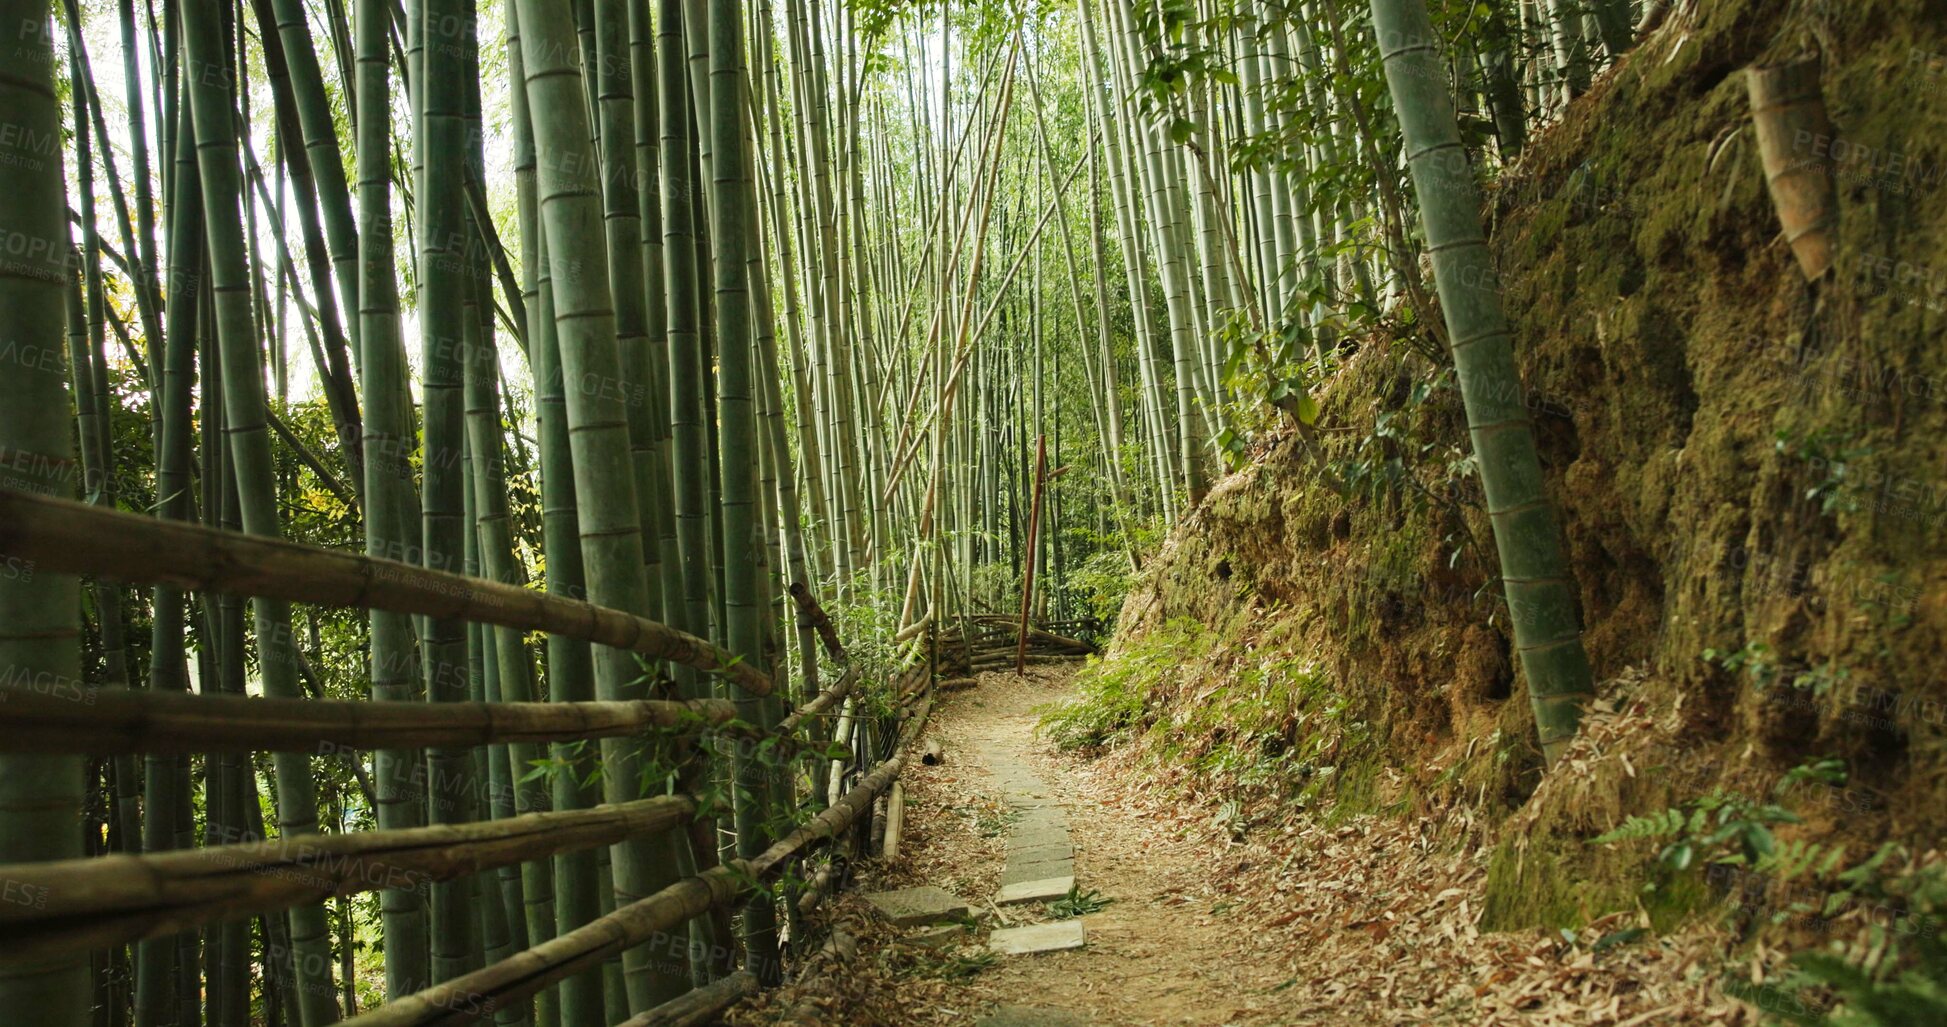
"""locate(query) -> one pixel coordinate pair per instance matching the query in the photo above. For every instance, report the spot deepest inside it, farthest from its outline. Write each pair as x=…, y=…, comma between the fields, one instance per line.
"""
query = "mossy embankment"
x=1746, y=465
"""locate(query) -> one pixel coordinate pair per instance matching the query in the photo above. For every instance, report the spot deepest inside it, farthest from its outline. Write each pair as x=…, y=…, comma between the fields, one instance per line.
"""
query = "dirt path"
x=1371, y=921
x=1156, y=954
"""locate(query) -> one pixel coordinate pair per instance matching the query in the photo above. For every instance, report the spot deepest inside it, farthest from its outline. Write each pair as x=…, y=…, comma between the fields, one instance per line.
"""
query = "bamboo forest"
x=1001, y=513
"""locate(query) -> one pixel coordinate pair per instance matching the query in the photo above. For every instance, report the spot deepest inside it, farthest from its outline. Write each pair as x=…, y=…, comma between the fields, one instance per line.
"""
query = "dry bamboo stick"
x=64, y=537
x=895, y=821
x=699, y=1007
x=914, y=629
x=824, y=701
x=820, y=621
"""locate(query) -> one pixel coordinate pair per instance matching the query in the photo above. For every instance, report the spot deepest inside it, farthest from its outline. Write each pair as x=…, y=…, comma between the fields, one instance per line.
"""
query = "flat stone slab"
x=1046, y=889
x=1037, y=838
x=1046, y=869
x=1058, y=936
x=912, y=907
x=1040, y=853
x=1030, y=1016
x=1039, y=818
x=936, y=937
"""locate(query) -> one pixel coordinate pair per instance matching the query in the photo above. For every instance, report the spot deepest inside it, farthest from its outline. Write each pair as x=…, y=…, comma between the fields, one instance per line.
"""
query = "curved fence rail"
x=97, y=903
x=88, y=905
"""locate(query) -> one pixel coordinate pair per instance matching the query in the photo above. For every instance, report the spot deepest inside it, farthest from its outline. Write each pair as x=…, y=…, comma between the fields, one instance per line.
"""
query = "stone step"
x=1057, y=936
x=1018, y=871
x=1030, y=1016
x=913, y=907
x=1040, y=818
x=1037, y=838
x=1046, y=889
x=1041, y=852
x=938, y=936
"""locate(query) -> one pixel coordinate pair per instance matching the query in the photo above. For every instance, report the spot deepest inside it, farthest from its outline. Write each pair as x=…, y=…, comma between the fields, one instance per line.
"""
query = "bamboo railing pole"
x=468, y=998
x=85, y=904
x=823, y=702
x=72, y=538
x=699, y=1007
x=113, y=721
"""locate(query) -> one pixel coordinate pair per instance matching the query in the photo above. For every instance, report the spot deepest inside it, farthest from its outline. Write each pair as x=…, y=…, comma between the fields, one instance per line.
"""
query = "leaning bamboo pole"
x=1535, y=569
x=72, y=538
x=492, y=987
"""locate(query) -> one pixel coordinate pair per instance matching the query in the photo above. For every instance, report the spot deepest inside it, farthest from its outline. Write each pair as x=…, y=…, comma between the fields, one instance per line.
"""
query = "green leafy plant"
x=993, y=825
x=1078, y=903
x=1754, y=659
x=1722, y=827
x=1894, y=973
x=1831, y=456
x=1113, y=695
x=1764, y=668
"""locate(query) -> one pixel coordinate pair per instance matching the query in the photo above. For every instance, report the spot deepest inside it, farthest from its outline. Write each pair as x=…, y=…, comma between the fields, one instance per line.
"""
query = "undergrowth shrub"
x=1891, y=970
x=1240, y=724
x=1114, y=700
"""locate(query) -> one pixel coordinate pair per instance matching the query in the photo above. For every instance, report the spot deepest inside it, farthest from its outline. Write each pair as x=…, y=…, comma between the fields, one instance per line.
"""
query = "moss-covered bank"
x=1747, y=465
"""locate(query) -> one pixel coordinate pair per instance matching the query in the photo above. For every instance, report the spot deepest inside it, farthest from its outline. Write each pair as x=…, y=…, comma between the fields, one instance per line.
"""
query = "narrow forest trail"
x=1369, y=921
x=1155, y=954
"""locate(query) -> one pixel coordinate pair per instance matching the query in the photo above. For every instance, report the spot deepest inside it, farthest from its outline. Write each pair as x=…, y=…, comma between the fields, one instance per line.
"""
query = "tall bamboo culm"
x=40, y=796
x=1535, y=573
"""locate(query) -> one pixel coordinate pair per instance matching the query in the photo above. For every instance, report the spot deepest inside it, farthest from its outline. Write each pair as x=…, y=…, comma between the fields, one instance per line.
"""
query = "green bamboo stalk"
x=445, y=37
x=609, y=518
x=1540, y=587
x=88, y=362
x=742, y=527
x=660, y=500
x=688, y=449
x=390, y=522
x=40, y=796
x=160, y=962
x=570, y=667
x=249, y=442
x=1122, y=187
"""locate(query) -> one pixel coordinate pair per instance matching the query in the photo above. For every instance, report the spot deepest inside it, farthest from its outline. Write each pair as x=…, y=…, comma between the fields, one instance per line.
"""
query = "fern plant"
x=1896, y=974
x=1724, y=827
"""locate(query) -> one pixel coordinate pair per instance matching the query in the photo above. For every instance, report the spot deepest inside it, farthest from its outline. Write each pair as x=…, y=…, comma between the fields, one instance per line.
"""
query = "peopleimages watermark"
x=21, y=893
x=1912, y=283
x=308, y=861
x=1855, y=379
x=1862, y=705
x=1877, y=167
x=1932, y=65
x=19, y=678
